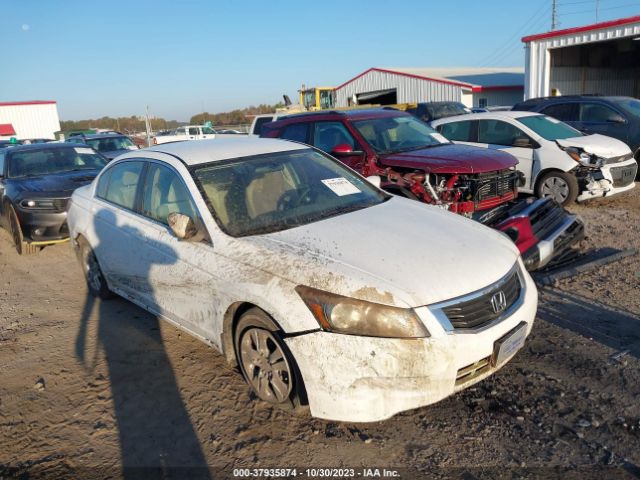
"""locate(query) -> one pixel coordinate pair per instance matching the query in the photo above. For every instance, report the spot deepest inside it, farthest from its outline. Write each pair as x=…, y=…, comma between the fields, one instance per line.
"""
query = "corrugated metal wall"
x=32, y=121
x=409, y=89
x=605, y=81
x=498, y=98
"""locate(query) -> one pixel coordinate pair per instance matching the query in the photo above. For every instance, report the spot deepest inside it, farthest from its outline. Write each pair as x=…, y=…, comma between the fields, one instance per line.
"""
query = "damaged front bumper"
x=366, y=379
x=542, y=230
x=608, y=180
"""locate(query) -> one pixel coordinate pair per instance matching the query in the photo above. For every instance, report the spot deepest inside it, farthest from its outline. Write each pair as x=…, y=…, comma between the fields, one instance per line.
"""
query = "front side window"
x=122, y=184
x=597, y=113
x=327, y=135
x=193, y=131
x=278, y=191
x=549, y=128
x=565, y=112
x=111, y=144
x=1, y=163
x=34, y=163
x=458, y=131
x=397, y=134
x=497, y=132
x=165, y=193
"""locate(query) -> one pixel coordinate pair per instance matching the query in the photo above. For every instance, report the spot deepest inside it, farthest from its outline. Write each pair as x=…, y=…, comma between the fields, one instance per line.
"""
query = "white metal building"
x=33, y=119
x=603, y=58
x=474, y=87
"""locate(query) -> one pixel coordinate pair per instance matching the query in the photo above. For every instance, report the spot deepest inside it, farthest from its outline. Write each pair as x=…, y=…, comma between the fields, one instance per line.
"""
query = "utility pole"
x=597, y=9
x=148, y=127
x=554, y=15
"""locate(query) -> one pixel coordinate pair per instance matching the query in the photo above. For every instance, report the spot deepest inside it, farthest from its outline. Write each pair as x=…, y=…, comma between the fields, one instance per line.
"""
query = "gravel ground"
x=87, y=387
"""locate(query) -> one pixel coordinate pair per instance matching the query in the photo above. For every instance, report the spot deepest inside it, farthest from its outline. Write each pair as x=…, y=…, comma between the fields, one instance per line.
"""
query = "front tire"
x=92, y=272
x=266, y=363
x=560, y=186
x=22, y=247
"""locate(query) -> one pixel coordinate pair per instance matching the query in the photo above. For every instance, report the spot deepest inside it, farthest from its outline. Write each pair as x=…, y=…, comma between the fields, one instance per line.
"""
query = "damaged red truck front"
x=415, y=161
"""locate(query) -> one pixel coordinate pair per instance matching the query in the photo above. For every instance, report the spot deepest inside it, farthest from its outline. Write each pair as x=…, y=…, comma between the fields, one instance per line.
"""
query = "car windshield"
x=398, y=134
x=110, y=144
x=40, y=162
x=549, y=128
x=272, y=192
x=630, y=105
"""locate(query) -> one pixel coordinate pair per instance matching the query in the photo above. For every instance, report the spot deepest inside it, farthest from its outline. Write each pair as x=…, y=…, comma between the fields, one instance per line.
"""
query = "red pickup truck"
x=415, y=161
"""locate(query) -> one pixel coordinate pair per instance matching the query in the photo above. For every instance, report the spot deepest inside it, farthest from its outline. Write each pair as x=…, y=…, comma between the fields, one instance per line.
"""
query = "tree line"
x=136, y=124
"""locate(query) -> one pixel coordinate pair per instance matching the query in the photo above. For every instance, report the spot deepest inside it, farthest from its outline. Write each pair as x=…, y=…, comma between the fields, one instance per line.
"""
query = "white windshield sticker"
x=438, y=137
x=341, y=186
x=84, y=150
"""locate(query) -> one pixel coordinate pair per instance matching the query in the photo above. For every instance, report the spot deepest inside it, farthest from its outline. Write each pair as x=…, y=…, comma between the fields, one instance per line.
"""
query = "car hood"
x=58, y=183
x=596, y=144
x=451, y=158
x=400, y=253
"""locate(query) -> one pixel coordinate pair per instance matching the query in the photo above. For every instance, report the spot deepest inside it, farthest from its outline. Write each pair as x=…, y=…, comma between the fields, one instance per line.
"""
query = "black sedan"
x=36, y=182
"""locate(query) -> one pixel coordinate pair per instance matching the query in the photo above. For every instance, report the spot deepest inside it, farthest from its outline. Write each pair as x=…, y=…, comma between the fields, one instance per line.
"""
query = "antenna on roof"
x=554, y=15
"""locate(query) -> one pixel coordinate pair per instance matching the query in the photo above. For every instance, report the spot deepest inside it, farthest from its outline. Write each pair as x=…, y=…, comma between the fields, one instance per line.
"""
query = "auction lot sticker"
x=341, y=186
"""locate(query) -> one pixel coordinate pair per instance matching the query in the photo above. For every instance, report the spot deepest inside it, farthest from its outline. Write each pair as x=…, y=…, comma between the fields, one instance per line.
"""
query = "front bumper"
x=366, y=379
x=608, y=180
x=43, y=227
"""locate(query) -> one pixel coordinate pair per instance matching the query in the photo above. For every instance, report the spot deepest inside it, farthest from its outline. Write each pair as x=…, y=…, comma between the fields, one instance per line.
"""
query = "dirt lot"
x=89, y=387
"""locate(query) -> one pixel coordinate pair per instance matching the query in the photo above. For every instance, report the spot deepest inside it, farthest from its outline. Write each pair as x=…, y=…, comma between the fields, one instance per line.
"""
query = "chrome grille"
x=476, y=311
x=60, y=204
x=546, y=219
x=496, y=184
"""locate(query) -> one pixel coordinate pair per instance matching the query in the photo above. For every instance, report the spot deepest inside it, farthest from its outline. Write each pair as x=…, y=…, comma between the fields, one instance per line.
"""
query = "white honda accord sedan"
x=324, y=290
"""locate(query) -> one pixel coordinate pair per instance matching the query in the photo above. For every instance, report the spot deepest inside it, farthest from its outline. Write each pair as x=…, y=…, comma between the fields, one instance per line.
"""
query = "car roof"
x=356, y=113
x=196, y=152
x=47, y=146
x=509, y=114
x=92, y=136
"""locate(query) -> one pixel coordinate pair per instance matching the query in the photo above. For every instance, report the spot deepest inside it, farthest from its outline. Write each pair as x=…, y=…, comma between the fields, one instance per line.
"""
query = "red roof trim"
x=31, y=102
x=497, y=88
x=439, y=80
x=7, y=129
x=585, y=28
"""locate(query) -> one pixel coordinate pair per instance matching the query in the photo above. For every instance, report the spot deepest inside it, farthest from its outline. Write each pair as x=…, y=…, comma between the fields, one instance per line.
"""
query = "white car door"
x=504, y=136
x=181, y=273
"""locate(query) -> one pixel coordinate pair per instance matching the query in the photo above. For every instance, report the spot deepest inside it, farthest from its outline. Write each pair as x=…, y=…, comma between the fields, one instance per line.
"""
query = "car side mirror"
x=342, y=149
x=182, y=226
x=616, y=119
x=374, y=180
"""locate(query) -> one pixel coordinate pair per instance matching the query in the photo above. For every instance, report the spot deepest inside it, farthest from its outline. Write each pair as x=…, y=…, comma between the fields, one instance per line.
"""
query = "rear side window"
x=298, y=132
x=123, y=184
x=1, y=163
x=165, y=193
x=193, y=131
x=565, y=112
x=457, y=131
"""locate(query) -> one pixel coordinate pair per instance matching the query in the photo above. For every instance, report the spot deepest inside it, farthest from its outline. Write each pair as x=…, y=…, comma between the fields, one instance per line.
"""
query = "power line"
x=637, y=4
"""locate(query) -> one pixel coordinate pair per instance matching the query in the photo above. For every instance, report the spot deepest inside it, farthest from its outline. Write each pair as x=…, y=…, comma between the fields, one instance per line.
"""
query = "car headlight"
x=41, y=204
x=351, y=316
x=583, y=157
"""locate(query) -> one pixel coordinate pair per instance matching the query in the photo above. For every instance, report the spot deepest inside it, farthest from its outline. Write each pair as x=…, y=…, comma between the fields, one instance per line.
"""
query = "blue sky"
x=113, y=57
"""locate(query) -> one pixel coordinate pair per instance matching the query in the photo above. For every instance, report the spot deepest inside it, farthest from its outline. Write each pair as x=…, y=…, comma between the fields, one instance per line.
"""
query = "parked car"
x=259, y=121
x=430, y=111
x=9, y=143
x=617, y=117
x=36, y=182
x=108, y=144
x=416, y=162
x=190, y=132
x=557, y=160
x=289, y=263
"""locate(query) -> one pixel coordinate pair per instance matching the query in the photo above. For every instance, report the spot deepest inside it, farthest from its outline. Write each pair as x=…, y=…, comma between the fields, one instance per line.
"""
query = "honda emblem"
x=499, y=302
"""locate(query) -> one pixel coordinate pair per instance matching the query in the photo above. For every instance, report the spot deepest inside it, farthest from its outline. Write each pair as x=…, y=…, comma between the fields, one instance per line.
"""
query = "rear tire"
x=560, y=186
x=96, y=282
x=266, y=363
x=22, y=247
